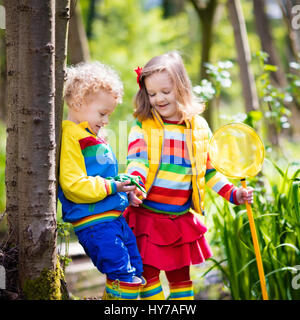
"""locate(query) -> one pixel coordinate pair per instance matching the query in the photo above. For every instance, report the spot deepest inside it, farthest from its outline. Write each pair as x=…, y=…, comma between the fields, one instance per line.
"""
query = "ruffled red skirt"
x=168, y=242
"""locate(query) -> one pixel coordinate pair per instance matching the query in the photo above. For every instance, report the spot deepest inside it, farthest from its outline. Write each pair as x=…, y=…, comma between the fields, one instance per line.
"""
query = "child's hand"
x=243, y=195
x=133, y=199
x=140, y=194
x=124, y=187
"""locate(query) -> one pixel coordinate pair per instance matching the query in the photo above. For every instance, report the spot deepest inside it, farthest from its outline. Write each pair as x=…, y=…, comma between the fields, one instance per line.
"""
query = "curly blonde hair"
x=88, y=77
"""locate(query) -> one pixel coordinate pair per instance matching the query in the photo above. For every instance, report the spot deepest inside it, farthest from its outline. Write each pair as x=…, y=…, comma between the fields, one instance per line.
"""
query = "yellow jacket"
x=197, y=137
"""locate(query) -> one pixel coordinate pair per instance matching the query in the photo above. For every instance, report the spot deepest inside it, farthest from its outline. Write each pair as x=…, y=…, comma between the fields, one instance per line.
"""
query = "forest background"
x=126, y=34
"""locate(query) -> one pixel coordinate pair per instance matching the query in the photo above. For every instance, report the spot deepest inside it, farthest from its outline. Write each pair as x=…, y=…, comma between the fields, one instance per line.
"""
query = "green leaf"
x=295, y=195
x=275, y=166
x=289, y=245
x=269, y=67
x=255, y=115
x=217, y=264
x=246, y=265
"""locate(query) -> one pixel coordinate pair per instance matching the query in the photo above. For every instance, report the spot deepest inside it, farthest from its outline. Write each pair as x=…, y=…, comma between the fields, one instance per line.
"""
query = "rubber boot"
x=120, y=290
x=152, y=290
x=181, y=290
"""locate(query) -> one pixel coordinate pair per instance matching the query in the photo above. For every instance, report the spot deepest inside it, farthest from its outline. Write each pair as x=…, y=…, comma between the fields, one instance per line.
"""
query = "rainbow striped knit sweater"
x=172, y=187
x=86, y=161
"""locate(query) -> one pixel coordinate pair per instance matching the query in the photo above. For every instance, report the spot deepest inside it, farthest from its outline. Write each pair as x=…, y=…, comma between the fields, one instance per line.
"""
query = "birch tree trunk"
x=33, y=129
x=12, y=100
x=243, y=52
x=38, y=270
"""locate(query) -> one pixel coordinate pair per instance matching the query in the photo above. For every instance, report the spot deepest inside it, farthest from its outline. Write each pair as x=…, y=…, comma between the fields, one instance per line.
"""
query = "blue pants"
x=113, y=249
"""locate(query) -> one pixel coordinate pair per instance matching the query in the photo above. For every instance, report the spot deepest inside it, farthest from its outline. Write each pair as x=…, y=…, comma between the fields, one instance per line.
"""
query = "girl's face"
x=161, y=93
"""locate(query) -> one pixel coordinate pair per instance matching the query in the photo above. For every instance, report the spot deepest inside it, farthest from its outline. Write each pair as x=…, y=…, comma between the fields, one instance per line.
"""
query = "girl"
x=168, y=151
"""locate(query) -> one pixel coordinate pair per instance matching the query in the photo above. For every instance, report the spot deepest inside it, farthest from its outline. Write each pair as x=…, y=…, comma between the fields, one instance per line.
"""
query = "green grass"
x=277, y=217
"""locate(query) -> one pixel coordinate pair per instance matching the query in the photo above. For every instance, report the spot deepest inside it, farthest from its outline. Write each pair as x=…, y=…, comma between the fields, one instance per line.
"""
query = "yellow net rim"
x=246, y=128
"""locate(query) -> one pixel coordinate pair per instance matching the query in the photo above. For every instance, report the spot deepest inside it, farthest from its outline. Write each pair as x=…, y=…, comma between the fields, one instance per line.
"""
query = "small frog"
x=134, y=180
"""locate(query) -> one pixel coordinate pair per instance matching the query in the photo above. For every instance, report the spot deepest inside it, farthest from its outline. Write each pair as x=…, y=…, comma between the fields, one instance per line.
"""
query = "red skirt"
x=168, y=242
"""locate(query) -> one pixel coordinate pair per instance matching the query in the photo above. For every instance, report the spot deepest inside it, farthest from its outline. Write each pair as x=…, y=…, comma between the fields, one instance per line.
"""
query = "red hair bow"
x=138, y=71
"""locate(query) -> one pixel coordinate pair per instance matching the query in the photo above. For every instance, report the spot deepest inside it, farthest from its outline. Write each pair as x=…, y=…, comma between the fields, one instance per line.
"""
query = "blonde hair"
x=187, y=103
x=89, y=77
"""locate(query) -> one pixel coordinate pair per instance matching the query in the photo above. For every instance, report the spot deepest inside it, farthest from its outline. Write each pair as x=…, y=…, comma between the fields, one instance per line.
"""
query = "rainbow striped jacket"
x=173, y=163
x=85, y=163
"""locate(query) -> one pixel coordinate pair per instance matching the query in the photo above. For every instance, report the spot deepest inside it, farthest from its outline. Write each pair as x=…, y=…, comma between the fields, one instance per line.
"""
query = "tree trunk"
x=90, y=19
x=172, y=7
x=264, y=32
x=2, y=78
x=78, y=48
x=206, y=16
x=38, y=267
x=12, y=99
x=62, y=17
x=243, y=52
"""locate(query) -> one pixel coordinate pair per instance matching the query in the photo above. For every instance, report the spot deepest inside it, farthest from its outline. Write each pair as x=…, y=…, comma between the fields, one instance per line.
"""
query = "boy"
x=91, y=199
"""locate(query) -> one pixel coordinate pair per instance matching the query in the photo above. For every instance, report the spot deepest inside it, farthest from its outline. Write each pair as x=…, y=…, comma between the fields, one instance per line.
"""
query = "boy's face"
x=97, y=108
